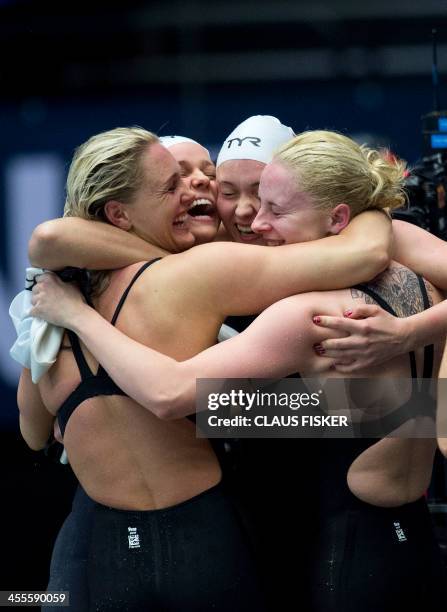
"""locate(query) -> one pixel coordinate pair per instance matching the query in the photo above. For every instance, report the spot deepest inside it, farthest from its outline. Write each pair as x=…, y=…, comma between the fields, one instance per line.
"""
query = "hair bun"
x=387, y=179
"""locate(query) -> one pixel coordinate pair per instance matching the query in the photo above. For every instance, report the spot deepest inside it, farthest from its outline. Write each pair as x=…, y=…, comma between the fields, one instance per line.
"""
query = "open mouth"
x=180, y=221
x=247, y=234
x=245, y=229
x=202, y=209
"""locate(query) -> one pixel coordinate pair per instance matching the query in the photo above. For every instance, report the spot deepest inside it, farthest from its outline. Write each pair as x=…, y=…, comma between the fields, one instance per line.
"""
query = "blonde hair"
x=334, y=169
x=106, y=167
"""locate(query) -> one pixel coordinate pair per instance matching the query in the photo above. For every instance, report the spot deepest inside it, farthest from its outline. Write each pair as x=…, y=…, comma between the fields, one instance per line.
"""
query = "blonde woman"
x=374, y=548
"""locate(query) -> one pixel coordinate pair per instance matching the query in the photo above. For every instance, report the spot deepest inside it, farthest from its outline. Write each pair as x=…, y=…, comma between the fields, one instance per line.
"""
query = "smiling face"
x=199, y=174
x=158, y=211
x=238, y=199
x=287, y=215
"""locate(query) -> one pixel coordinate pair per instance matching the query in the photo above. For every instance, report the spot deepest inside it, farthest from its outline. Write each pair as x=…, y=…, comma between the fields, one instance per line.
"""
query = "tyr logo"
x=254, y=140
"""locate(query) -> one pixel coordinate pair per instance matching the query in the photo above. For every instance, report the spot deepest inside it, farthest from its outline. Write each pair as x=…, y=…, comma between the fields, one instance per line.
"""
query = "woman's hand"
x=374, y=338
x=55, y=301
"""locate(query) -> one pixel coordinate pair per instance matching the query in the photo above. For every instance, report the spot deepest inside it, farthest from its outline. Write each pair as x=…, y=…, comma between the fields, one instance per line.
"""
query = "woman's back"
x=122, y=454
x=391, y=463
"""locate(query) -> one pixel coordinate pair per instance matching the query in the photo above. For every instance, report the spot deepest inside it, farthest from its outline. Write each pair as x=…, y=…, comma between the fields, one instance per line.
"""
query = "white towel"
x=226, y=332
x=38, y=342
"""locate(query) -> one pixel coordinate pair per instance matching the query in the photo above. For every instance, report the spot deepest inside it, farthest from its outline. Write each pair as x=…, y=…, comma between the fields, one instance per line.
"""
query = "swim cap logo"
x=254, y=140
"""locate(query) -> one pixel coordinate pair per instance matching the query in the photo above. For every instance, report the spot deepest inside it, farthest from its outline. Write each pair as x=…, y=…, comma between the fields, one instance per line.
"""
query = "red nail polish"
x=348, y=313
x=316, y=320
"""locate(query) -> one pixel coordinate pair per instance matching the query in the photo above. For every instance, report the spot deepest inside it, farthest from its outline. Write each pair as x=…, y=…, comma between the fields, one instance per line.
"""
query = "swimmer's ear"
x=339, y=218
x=117, y=214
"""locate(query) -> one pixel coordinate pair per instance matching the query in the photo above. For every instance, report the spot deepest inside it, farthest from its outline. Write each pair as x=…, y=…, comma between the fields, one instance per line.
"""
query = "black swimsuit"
x=420, y=403
x=68, y=571
x=93, y=385
x=191, y=556
x=366, y=557
x=346, y=552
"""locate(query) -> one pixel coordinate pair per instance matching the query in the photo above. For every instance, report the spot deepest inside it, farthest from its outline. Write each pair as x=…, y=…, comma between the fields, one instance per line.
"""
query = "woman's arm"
x=36, y=423
x=227, y=278
x=441, y=417
x=278, y=343
x=230, y=278
x=359, y=253
x=373, y=335
x=76, y=242
x=422, y=252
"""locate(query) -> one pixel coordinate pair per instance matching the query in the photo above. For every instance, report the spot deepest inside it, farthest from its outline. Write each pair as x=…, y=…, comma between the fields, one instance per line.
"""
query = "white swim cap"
x=255, y=138
x=170, y=141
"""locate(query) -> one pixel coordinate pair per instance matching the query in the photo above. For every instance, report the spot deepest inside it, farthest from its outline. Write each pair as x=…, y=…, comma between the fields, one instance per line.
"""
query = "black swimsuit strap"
x=83, y=366
x=101, y=371
x=394, y=420
x=429, y=350
x=376, y=297
x=384, y=304
x=92, y=385
x=129, y=287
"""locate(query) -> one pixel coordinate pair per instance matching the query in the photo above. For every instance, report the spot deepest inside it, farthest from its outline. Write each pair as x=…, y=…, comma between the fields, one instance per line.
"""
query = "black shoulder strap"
x=83, y=366
x=101, y=371
x=428, y=350
x=129, y=287
x=377, y=298
x=384, y=304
